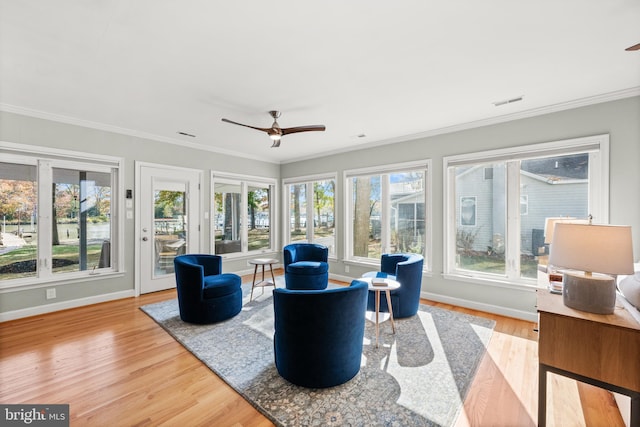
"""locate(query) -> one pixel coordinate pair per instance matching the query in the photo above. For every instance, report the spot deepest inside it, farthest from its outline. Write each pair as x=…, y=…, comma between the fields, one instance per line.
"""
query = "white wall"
x=39, y=132
x=620, y=119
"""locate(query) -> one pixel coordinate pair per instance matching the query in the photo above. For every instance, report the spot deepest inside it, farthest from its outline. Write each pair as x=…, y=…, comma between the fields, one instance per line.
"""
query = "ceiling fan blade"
x=275, y=132
x=287, y=131
x=247, y=126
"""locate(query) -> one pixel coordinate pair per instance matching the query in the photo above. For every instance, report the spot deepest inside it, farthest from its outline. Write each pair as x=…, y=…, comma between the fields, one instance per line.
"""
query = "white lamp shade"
x=604, y=249
x=550, y=223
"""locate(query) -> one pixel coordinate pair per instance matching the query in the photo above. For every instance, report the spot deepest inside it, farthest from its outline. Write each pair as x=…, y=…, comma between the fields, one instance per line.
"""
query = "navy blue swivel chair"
x=306, y=266
x=406, y=269
x=319, y=333
x=205, y=294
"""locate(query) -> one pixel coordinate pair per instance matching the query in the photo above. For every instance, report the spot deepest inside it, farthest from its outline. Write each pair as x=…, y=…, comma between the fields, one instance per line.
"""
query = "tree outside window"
x=388, y=213
x=311, y=205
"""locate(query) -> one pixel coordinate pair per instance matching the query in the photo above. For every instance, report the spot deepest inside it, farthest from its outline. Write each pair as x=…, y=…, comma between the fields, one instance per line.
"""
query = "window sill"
x=362, y=263
x=376, y=266
x=521, y=286
x=33, y=283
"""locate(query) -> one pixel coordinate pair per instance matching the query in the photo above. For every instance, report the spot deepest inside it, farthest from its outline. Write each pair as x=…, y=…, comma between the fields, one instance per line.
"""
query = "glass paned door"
x=168, y=222
x=169, y=229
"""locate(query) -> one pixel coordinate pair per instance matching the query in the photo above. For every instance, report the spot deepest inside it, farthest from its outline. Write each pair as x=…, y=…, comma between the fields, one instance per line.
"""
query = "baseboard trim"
x=341, y=278
x=489, y=308
x=64, y=305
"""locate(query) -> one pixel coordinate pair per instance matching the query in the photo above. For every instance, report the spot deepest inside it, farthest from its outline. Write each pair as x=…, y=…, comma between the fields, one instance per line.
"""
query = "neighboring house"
x=548, y=188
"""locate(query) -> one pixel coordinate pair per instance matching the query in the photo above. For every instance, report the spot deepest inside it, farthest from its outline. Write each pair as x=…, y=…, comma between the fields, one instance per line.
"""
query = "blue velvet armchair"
x=406, y=269
x=319, y=333
x=306, y=266
x=205, y=294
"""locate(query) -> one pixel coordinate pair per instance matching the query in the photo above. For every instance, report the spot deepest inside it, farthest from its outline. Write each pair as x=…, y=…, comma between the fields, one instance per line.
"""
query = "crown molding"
x=120, y=130
x=582, y=102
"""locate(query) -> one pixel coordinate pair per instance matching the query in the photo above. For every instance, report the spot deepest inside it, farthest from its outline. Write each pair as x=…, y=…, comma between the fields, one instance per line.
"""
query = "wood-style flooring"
x=116, y=367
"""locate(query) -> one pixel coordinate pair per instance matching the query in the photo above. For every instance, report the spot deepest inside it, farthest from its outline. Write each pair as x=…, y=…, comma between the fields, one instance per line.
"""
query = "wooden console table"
x=602, y=350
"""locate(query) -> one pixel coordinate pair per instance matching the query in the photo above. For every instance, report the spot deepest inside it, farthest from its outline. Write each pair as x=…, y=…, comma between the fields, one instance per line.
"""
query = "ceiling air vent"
x=508, y=101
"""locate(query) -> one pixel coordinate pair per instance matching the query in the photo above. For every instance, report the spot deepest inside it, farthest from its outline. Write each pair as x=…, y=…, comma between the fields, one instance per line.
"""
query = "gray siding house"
x=554, y=187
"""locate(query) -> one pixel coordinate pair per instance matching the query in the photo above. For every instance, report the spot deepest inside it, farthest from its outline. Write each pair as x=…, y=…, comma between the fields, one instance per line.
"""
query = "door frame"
x=138, y=217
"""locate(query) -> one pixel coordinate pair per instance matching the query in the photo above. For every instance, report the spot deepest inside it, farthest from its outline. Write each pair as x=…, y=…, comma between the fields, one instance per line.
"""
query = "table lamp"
x=550, y=223
x=589, y=254
x=555, y=279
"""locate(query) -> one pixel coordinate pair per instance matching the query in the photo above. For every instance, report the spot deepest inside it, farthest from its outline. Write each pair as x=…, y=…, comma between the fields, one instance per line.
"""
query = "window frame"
x=308, y=181
x=45, y=159
x=244, y=181
x=424, y=166
x=597, y=146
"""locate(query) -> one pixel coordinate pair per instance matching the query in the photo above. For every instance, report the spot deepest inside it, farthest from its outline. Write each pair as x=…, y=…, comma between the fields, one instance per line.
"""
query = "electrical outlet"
x=346, y=268
x=51, y=293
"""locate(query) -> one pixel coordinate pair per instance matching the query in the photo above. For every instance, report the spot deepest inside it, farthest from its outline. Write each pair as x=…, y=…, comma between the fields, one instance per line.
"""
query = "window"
x=468, y=211
x=387, y=211
x=495, y=228
x=310, y=202
x=82, y=218
x=59, y=215
x=524, y=204
x=18, y=207
x=242, y=214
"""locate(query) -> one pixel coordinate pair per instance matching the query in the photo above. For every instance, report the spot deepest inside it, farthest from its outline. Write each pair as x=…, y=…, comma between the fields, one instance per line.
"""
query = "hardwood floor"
x=115, y=366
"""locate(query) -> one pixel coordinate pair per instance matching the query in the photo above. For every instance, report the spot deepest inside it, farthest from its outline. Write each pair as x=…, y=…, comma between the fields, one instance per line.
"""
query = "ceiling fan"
x=275, y=132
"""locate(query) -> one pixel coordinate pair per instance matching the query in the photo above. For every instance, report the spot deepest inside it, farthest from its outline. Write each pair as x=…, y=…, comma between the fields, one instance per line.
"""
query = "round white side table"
x=378, y=285
x=262, y=283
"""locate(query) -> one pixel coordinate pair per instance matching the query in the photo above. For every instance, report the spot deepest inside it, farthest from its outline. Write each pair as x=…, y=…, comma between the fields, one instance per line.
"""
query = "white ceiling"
x=388, y=70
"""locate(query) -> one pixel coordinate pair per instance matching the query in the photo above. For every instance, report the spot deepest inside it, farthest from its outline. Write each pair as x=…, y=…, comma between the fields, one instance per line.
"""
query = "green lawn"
x=21, y=262
x=493, y=264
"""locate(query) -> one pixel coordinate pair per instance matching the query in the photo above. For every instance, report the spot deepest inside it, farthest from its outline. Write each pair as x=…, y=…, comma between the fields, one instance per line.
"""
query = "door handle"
x=144, y=239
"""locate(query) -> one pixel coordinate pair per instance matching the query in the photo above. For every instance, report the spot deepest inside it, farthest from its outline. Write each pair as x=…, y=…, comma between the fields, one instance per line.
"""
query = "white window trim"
x=308, y=180
x=245, y=181
x=598, y=148
x=425, y=164
x=55, y=157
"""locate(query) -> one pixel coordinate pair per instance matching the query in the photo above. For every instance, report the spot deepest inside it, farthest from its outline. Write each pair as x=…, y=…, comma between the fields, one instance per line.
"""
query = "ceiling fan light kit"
x=275, y=132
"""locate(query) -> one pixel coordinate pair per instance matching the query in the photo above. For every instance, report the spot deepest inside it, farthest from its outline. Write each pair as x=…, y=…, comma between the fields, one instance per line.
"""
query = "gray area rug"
x=417, y=377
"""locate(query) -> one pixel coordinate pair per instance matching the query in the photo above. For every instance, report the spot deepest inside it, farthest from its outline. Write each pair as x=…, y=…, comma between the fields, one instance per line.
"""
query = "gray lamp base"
x=594, y=294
